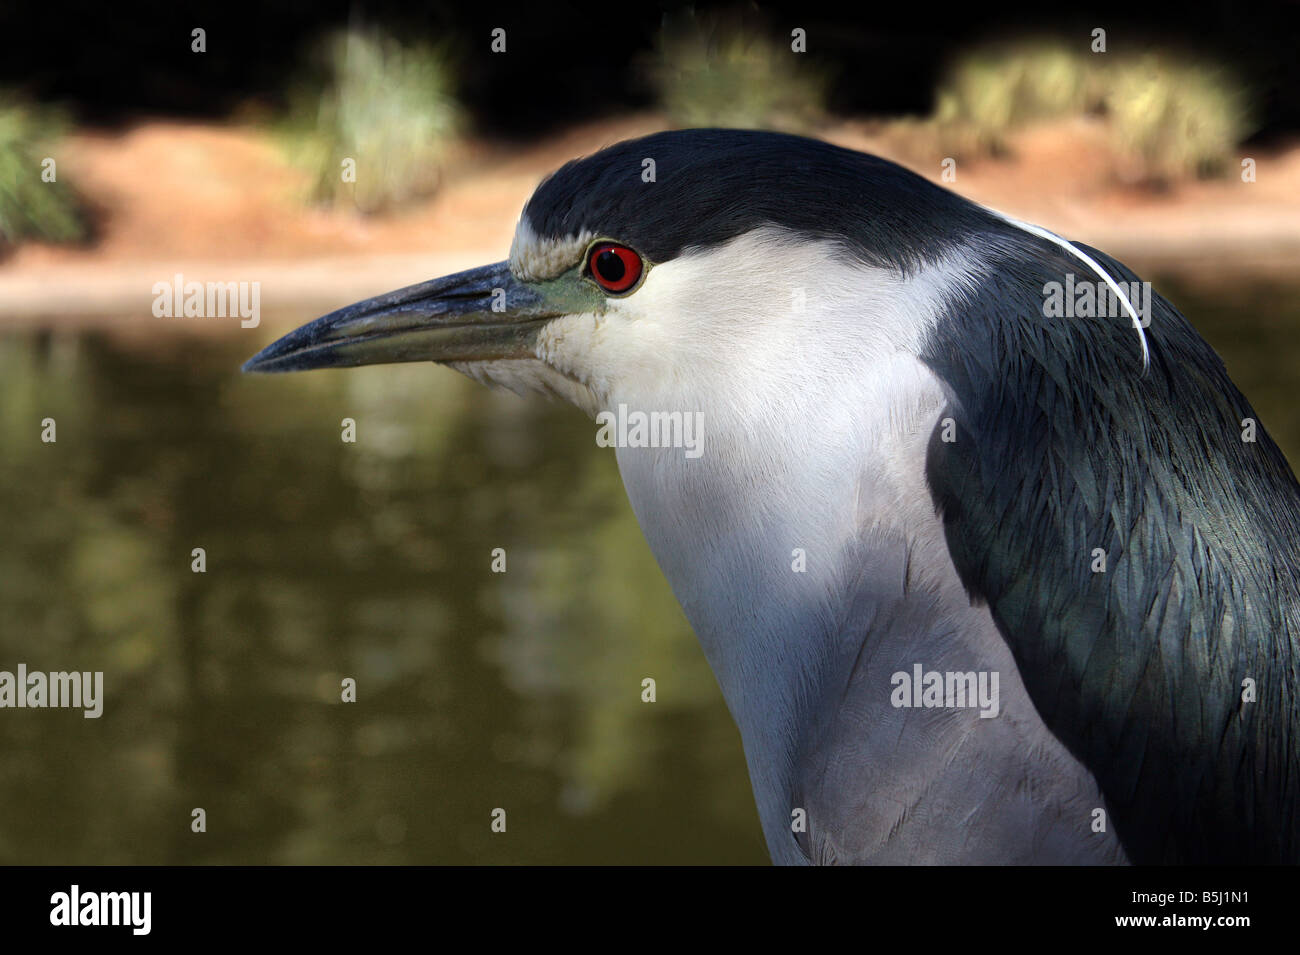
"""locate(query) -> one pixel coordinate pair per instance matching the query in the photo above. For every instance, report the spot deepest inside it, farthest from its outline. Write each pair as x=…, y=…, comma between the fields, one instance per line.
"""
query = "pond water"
x=327, y=561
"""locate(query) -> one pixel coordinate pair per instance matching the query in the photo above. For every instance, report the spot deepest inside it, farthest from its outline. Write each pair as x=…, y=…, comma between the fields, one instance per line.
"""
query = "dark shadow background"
x=570, y=62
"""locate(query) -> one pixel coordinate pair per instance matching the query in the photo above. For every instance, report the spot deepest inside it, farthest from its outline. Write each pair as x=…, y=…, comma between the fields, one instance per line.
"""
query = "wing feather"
x=1067, y=446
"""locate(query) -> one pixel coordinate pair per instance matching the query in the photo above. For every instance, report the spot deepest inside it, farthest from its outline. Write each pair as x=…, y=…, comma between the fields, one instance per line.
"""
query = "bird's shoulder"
x=1134, y=534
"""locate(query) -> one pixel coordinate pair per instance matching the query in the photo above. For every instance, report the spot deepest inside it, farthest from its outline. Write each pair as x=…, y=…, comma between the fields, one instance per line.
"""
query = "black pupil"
x=610, y=266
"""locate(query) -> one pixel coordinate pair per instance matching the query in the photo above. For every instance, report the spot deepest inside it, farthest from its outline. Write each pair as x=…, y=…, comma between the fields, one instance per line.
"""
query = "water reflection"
x=328, y=560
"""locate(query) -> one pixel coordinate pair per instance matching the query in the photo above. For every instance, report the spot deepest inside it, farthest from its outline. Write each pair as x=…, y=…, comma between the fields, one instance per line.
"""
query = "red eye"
x=616, y=268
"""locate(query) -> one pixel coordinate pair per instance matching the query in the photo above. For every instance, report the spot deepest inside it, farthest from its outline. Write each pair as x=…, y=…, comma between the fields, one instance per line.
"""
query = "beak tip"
x=283, y=354
x=259, y=364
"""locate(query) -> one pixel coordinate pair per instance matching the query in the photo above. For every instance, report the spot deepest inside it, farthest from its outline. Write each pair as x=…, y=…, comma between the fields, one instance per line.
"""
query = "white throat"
x=815, y=415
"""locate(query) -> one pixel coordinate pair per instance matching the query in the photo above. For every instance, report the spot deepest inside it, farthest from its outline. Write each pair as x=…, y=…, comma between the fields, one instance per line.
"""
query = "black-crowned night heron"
x=989, y=567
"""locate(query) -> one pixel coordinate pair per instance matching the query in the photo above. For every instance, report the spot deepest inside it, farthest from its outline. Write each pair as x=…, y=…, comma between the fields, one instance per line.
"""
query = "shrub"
x=726, y=70
x=31, y=208
x=1171, y=118
x=387, y=106
x=1167, y=115
x=997, y=89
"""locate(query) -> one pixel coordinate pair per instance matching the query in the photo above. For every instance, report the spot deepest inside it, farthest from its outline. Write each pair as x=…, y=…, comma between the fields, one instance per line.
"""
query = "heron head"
x=648, y=267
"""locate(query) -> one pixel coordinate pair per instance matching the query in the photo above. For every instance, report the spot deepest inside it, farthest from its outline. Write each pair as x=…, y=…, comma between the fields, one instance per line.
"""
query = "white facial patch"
x=534, y=258
x=751, y=323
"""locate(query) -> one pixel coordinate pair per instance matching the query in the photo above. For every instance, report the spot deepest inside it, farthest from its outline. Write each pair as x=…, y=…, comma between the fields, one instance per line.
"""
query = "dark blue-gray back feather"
x=1065, y=445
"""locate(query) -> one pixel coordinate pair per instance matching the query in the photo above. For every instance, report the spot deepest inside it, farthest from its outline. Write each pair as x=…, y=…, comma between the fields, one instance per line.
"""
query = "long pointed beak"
x=479, y=315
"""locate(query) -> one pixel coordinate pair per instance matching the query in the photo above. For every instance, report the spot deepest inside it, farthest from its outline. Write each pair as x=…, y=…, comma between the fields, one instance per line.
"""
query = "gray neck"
x=726, y=528
x=765, y=634
x=805, y=658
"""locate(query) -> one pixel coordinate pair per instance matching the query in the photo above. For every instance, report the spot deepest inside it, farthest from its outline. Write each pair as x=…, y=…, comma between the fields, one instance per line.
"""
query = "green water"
x=369, y=561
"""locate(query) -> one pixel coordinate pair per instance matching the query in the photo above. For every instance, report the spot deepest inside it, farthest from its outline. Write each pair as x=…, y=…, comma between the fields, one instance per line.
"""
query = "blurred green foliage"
x=31, y=208
x=384, y=104
x=1167, y=115
x=727, y=69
